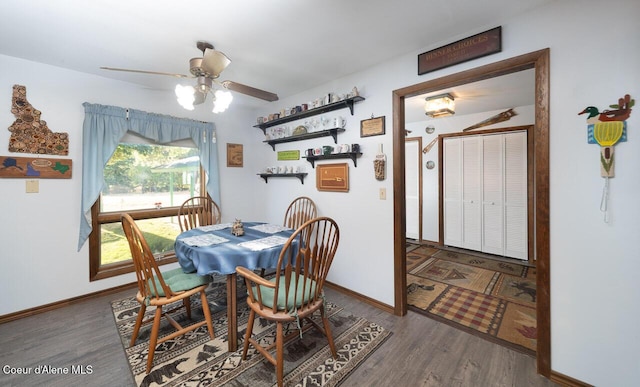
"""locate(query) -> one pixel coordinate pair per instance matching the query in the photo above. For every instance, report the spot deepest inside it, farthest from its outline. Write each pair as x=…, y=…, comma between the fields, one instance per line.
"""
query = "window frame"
x=98, y=271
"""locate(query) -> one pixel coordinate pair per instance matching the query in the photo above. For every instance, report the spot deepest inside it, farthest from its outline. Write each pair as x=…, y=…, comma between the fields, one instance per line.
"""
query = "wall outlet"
x=33, y=186
x=383, y=194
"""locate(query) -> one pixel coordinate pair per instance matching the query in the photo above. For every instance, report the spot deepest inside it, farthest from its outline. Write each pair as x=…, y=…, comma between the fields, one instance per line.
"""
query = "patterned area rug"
x=195, y=360
x=493, y=299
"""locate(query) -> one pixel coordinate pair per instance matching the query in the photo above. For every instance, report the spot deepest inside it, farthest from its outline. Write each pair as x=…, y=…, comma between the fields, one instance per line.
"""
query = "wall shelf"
x=345, y=103
x=321, y=133
x=346, y=155
x=266, y=176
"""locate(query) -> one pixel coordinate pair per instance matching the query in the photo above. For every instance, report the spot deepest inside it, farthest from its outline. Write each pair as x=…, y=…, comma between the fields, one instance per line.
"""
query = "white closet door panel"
x=515, y=192
x=471, y=193
x=516, y=242
x=452, y=169
x=492, y=171
x=492, y=195
x=492, y=229
x=515, y=169
x=472, y=225
x=452, y=223
x=471, y=168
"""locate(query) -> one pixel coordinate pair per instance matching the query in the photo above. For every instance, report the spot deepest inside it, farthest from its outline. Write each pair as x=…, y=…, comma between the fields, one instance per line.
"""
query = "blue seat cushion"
x=303, y=295
x=179, y=281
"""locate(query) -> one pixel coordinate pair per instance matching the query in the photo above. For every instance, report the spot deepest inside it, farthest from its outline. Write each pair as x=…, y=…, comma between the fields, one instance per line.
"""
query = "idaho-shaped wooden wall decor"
x=30, y=134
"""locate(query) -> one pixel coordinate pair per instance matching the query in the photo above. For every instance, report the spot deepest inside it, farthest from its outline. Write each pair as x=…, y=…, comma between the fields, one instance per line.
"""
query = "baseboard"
x=361, y=297
x=59, y=304
x=62, y=303
x=567, y=381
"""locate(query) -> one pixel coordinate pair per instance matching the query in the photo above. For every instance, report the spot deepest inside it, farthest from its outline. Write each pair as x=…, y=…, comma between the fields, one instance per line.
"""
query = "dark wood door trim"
x=539, y=60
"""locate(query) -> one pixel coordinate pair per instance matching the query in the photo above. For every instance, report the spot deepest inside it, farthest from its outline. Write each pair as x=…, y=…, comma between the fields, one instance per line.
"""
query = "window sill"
x=120, y=268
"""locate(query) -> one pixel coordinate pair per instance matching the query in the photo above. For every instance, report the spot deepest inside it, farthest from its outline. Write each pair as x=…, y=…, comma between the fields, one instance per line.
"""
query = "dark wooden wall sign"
x=476, y=46
x=35, y=167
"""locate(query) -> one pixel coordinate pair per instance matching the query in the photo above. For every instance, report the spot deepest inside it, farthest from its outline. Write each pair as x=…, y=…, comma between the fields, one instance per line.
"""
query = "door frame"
x=538, y=60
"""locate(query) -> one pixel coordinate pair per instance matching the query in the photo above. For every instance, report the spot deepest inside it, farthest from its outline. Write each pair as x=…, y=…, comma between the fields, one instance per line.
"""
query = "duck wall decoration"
x=606, y=129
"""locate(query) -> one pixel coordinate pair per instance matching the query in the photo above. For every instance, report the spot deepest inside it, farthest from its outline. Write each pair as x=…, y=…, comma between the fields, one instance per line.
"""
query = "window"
x=149, y=182
x=105, y=129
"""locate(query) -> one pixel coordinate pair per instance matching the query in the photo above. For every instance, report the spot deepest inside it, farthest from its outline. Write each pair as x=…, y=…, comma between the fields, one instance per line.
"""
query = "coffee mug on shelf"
x=338, y=122
x=317, y=151
x=355, y=148
x=344, y=148
x=326, y=150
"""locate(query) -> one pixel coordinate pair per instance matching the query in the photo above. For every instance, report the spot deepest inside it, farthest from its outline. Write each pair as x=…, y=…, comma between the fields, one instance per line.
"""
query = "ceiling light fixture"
x=441, y=105
x=189, y=95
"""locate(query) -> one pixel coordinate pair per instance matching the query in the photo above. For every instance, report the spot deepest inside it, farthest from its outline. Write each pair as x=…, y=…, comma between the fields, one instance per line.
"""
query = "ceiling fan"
x=206, y=70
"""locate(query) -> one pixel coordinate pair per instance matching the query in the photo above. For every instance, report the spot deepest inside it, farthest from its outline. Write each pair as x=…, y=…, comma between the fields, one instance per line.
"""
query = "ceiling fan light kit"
x=206, y=70
x=441, y=105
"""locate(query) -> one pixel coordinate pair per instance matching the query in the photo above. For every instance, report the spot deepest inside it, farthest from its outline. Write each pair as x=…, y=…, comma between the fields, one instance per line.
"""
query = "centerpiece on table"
x=238, y=228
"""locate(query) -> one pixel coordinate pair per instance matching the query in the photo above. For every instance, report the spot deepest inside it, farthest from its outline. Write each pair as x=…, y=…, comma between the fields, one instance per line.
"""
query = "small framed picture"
x=372, y=127
x=332, y=177
x=234, y=155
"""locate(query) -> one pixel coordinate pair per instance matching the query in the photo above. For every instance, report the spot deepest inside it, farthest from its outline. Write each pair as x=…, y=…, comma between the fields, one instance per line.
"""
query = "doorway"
x=538, y=60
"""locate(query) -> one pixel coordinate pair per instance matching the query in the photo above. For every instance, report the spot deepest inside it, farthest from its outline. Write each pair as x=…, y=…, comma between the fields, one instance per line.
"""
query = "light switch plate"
x=33, y=186
x=383, y=194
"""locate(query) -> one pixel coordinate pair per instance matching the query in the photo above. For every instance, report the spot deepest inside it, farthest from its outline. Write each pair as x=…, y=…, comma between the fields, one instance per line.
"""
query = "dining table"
x=213, y=249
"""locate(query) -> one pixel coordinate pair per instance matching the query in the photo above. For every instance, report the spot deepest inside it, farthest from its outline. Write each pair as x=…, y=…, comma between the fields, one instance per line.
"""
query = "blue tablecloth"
x=223, y=258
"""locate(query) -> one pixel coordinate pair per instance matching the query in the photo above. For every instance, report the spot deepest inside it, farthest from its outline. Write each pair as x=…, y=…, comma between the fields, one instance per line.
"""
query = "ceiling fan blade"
x=147, y=72
x=199, y=97
x=251, y=91
x=214, y=62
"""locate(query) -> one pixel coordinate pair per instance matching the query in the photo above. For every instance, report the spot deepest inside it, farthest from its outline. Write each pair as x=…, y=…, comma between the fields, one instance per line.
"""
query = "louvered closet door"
x=492, y=194
x=515, y=195
x=471, y=193
x=452, y=182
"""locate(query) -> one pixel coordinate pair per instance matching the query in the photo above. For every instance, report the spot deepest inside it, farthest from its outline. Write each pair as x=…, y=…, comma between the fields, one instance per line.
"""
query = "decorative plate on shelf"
x=300, y=130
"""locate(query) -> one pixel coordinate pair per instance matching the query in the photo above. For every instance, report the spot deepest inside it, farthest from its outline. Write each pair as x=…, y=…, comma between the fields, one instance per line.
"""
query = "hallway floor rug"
x=194, y=359
x=489, y=298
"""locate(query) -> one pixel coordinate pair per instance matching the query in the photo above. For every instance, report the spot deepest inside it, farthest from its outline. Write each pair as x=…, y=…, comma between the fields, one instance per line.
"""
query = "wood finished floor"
x=421, y=351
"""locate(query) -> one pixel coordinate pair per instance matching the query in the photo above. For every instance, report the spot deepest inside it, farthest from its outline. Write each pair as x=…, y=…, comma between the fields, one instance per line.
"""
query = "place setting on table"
x=220, y=248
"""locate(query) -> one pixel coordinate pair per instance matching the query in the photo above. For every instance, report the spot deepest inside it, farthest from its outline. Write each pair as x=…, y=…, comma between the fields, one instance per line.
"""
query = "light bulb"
x=222, y=100
x=185, y=96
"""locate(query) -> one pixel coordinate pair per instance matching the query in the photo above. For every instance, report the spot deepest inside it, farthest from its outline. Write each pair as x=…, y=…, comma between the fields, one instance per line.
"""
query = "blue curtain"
x=104, y=127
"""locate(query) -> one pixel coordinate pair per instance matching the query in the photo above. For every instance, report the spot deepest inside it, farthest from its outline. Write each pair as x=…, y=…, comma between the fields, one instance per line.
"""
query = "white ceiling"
x=282, y=46
x=504, y=92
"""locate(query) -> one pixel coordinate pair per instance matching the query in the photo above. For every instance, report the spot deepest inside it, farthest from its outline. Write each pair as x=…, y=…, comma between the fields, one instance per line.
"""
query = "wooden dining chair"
x=198, y=211
x=158, y=289
x=296, y=292
x=300, y=210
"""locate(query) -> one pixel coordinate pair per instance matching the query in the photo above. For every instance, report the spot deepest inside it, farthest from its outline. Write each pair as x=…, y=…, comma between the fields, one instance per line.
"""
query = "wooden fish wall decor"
x=606, y=129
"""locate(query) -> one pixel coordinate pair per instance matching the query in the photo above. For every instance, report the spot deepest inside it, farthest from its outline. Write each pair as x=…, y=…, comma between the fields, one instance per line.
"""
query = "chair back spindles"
x=305, y=265
x=144, y=262
x=198, y=211
x=300, y=210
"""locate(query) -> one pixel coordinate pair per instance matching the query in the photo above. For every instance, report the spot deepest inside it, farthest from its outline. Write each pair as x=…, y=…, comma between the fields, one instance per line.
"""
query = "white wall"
x=594, y=290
